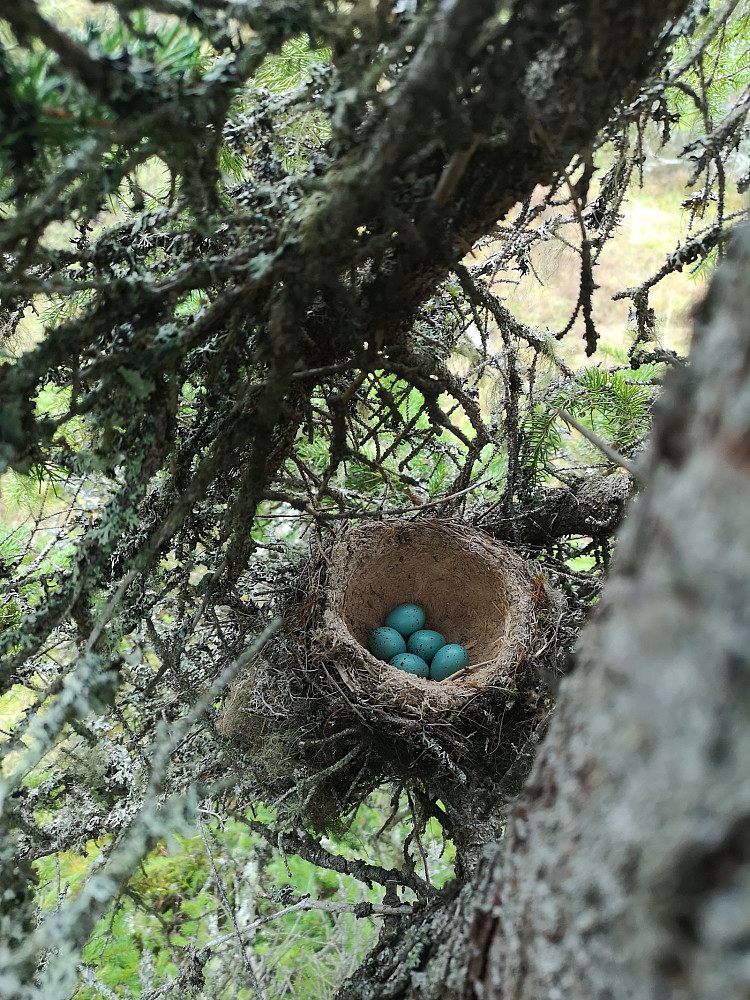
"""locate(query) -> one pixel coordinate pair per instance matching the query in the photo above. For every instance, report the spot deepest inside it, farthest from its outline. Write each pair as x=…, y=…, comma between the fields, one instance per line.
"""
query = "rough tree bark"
x=625, y=868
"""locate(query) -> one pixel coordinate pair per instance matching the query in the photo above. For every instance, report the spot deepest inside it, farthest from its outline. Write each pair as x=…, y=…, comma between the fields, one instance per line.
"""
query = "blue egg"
x=447, y=661
x=411, y=664
x=425, y=643
x=406, y=618
x=385, y=643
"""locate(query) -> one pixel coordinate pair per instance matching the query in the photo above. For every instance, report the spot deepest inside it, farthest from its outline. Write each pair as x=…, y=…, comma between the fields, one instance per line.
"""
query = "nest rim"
x=357, y=600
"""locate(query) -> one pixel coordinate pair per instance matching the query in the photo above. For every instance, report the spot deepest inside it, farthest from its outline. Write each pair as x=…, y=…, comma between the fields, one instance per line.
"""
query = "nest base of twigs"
x=322, y=721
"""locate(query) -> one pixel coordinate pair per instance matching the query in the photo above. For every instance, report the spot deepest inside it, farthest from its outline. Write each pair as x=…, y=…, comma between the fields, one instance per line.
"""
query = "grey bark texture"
x=591, y=506
x=625, y=868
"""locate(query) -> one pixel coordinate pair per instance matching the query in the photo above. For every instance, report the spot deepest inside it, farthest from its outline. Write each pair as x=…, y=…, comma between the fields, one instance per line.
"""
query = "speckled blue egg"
x=406, y=618
x=411, y=664
x=385, y=643
x=425, y=643
x=447, y=661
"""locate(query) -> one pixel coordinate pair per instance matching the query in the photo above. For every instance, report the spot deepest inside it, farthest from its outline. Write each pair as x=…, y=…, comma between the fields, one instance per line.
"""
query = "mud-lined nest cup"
x=318, y=695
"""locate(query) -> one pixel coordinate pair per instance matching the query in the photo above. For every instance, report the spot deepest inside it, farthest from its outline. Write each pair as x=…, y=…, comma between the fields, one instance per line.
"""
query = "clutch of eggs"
x=403, y=642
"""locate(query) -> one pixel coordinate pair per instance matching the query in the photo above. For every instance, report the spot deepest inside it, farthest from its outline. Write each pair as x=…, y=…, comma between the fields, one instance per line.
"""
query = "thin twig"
x=718, y=23
x=359, y=910
x=453, y=171
x=110, y=608
x=612, y=453
x=230, y=911
x=353, y=515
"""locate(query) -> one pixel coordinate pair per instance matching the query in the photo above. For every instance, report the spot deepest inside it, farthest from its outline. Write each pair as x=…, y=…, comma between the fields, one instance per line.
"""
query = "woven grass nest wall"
x=319, y=704
x=474, y=591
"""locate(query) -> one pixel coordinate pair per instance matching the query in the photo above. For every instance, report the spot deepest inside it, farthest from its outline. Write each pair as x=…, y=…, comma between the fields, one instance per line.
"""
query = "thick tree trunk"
x=625, y=868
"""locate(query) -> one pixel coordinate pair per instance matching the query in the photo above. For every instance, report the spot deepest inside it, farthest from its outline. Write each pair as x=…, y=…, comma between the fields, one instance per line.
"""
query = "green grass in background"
x=653, y=223
x=173, y=902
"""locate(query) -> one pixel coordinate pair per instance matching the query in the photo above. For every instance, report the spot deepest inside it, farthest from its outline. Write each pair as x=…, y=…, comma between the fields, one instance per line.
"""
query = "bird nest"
x=320, y=706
